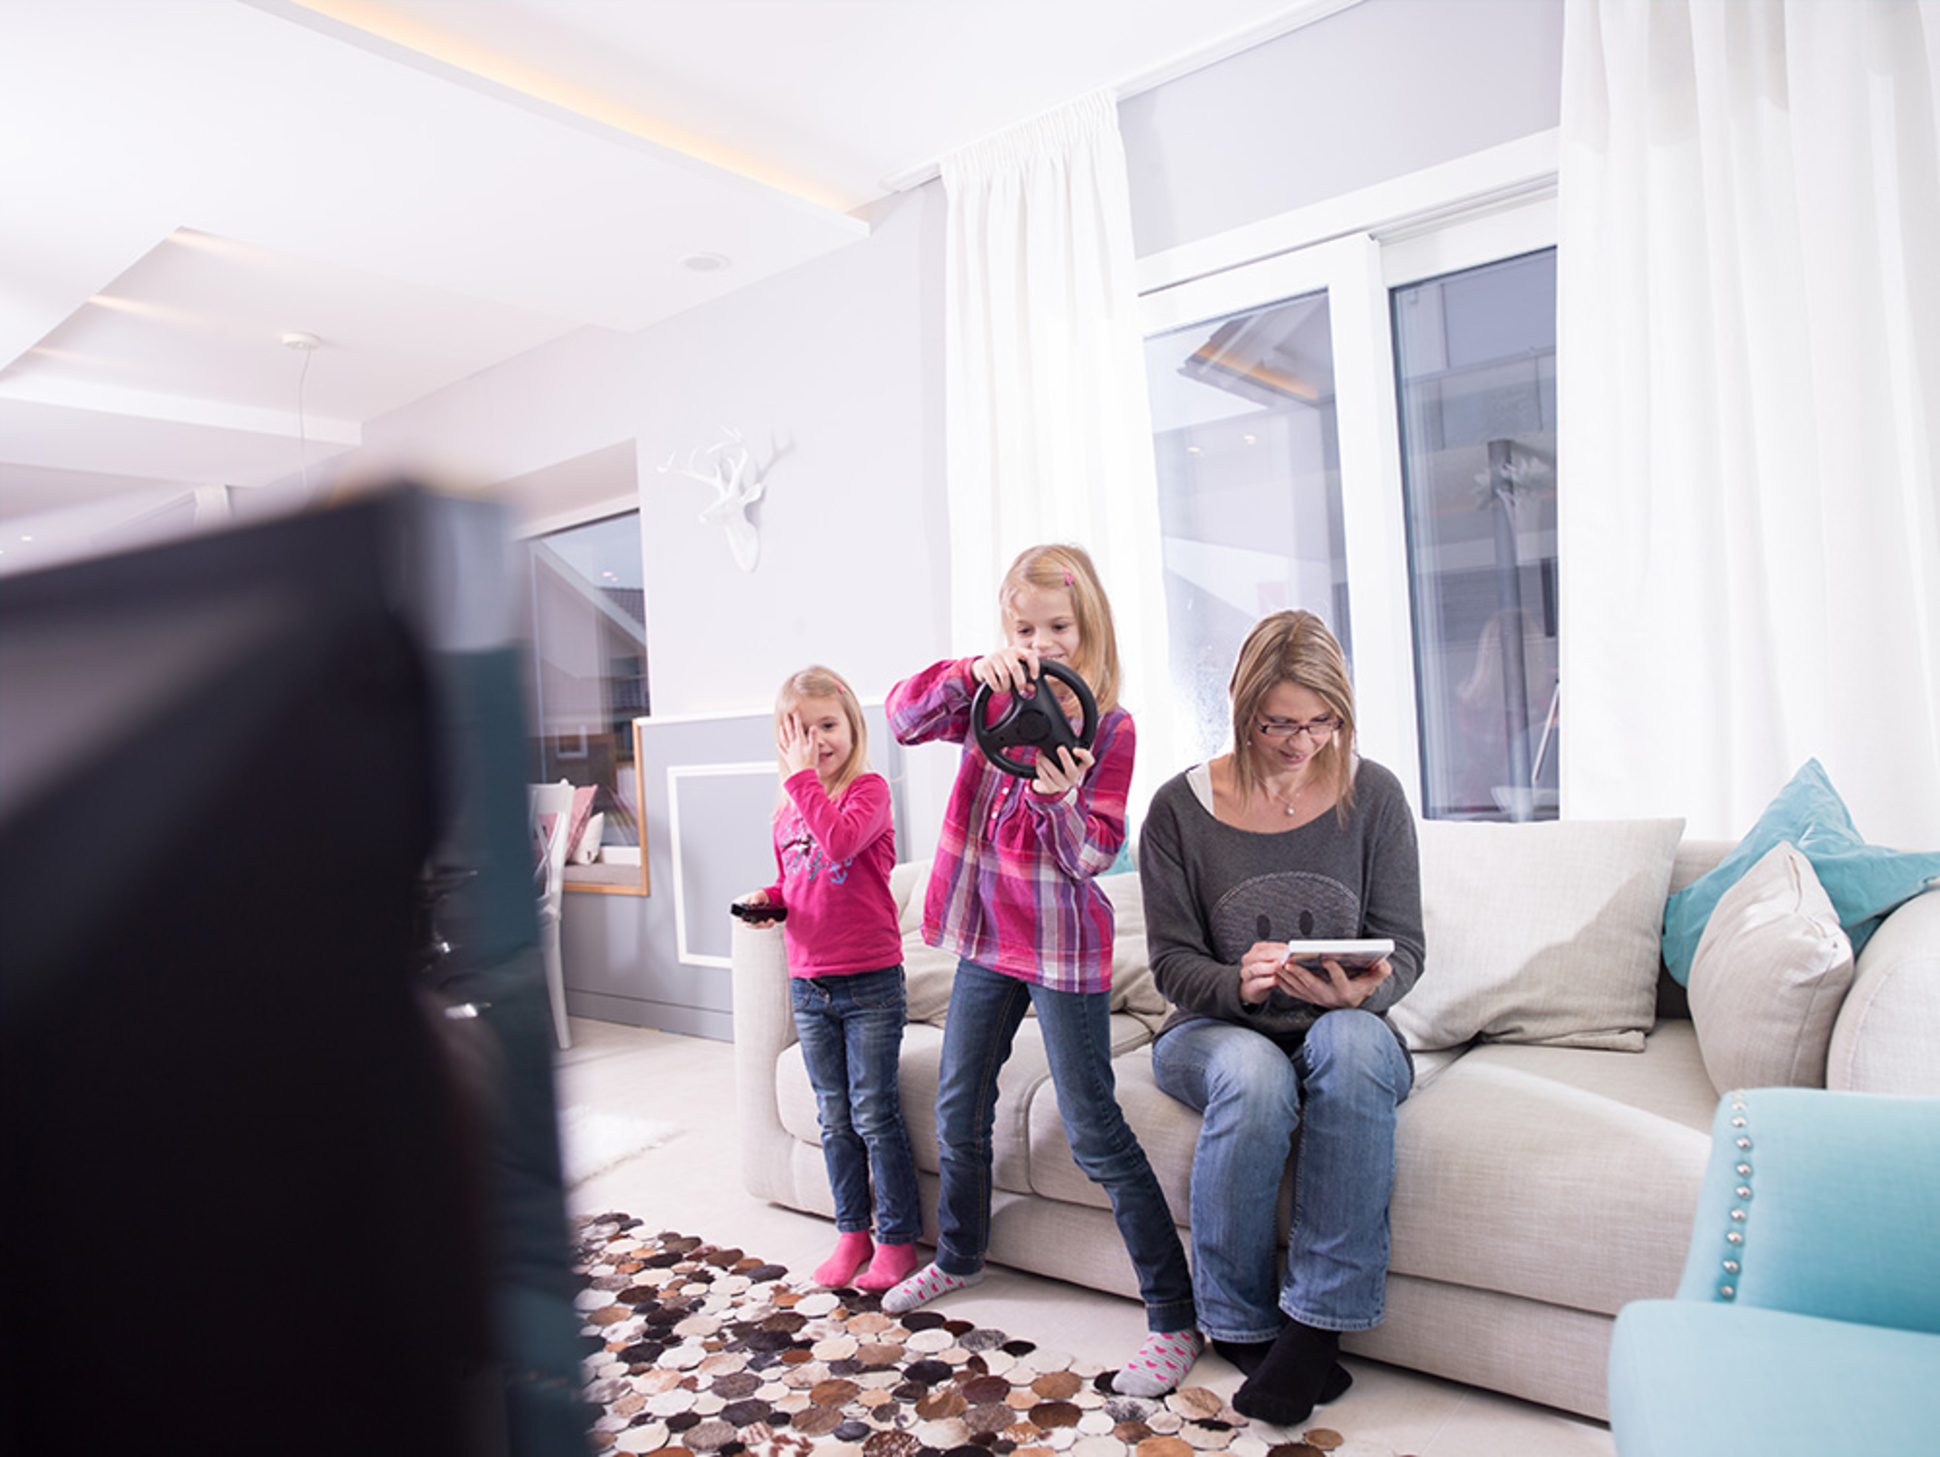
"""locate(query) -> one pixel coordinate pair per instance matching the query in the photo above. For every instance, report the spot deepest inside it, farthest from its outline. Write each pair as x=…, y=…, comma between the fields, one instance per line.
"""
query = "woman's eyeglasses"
x=1319, y=731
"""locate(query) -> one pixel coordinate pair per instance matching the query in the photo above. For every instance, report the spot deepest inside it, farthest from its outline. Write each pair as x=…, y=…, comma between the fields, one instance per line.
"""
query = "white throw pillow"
x=928, y=977
x=928, y=974
x=1770, y=974
x=1544, y=933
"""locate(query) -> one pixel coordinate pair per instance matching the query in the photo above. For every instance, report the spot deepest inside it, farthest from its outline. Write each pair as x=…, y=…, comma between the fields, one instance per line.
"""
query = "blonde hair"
x=1293, y=647
x=816, y=681
x=1062, y=567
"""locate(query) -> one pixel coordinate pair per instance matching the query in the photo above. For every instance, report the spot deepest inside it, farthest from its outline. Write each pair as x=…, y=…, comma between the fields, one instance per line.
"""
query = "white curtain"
x=1749, y=408
x=1048, y=424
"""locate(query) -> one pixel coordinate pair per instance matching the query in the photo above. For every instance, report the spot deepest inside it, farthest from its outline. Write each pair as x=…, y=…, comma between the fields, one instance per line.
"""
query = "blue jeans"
x=851, y=1031
x=986, y=1009
x=1340, y=1089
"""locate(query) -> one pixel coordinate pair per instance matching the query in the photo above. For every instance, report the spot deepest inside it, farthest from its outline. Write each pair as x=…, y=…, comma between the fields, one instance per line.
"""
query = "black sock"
x=1246, y=1355
x=1293, y=1378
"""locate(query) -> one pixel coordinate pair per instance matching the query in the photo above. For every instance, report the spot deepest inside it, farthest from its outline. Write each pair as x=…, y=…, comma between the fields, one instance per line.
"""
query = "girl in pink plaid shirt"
x=1012, y=893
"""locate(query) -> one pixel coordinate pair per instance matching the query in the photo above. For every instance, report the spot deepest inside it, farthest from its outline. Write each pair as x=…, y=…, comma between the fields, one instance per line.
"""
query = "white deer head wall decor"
x=737, y=484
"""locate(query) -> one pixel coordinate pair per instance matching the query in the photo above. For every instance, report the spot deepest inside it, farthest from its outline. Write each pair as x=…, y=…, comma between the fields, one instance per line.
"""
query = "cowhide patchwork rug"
x=703, y=1349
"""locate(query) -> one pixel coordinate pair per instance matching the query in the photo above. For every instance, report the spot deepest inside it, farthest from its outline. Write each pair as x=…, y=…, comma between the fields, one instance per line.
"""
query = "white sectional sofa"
x=1538, y=1186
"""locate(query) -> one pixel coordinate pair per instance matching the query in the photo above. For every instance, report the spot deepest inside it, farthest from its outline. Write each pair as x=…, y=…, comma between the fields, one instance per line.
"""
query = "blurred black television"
x=273, y=1177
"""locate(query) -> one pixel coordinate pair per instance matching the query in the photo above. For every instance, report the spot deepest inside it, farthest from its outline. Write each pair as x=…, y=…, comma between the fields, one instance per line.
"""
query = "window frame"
x=1491, y=206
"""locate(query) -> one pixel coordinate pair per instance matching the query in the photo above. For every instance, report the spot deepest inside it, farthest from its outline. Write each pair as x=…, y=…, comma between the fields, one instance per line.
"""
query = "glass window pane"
x=1249, y=490
x=589, y=663
x=1475, y=356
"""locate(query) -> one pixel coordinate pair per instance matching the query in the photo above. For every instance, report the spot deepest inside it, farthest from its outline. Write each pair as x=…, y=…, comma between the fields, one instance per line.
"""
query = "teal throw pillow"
x=1865, y=882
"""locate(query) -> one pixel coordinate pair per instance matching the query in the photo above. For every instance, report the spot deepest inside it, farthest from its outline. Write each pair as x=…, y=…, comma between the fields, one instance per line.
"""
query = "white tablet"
x=1354, y=956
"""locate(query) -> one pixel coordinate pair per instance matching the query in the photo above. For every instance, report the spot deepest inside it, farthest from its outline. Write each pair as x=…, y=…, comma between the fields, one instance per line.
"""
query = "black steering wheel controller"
x=1033, y=721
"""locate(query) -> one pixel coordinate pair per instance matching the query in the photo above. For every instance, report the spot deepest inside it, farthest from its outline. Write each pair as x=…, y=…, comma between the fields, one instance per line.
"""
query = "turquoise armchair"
x=1808, y=1317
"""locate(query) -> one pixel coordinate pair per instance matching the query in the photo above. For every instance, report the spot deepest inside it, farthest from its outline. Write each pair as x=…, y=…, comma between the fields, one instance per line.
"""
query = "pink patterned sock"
x=1161, y=1363
x=852, y=1252
x=892, y=1265
x=923, y=1287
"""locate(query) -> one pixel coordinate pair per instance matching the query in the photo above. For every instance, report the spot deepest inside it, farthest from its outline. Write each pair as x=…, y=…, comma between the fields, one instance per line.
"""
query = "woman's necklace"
x=1285, y=803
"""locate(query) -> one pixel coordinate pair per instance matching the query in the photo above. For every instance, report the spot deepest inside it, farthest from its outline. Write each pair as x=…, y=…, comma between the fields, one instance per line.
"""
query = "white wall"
x=1373, y=92
x=839, y=364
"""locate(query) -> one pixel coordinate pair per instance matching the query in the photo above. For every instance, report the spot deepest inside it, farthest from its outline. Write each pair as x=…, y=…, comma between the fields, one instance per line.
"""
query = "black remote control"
x=759, y=913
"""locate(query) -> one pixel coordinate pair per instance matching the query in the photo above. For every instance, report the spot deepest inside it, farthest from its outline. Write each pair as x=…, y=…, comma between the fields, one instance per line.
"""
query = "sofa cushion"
x=1167, y=1130
x=1696, y=858
x=1770, y=973
x=1866, y=882
x=928, y=972
x=1540, y=933
x=1563, y=1175
x=1133, y=990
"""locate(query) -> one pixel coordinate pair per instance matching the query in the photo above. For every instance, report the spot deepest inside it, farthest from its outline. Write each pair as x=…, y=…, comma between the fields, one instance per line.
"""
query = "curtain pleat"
x=1047, y=418
x=1749, y=393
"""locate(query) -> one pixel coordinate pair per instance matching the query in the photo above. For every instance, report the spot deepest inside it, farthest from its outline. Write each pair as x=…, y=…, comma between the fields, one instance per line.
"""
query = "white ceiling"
x=431, y=187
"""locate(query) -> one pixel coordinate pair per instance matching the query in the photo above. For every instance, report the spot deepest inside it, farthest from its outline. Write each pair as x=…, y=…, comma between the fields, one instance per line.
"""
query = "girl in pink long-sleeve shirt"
x=834, y=848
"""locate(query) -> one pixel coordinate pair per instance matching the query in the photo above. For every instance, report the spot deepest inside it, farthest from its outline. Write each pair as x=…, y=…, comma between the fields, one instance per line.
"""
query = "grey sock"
x=924, y=1286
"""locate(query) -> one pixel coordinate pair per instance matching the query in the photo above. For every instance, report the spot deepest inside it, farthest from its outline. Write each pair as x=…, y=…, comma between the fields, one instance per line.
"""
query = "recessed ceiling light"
x=706, y=262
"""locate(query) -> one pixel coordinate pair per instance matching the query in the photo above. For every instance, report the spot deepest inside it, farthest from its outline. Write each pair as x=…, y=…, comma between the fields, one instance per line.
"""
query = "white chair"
x=555, y=800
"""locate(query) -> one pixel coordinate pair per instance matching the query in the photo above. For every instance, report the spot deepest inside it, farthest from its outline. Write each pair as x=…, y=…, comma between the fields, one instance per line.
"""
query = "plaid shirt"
x=1012, y=885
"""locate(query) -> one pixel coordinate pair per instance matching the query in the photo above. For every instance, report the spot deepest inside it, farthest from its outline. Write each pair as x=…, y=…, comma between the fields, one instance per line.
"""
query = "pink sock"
x=891, y=1266
x=852, y=1252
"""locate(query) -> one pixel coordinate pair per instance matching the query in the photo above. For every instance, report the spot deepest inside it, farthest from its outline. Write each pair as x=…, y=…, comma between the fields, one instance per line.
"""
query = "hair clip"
x=1067, y=578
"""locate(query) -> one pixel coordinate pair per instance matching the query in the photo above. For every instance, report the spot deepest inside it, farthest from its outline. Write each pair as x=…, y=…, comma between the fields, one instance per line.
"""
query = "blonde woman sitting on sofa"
x=1289, y=837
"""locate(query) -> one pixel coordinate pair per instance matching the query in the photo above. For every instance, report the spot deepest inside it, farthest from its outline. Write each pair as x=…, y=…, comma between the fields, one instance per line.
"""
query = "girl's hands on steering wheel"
x=1015, y=670
x=1008, y=670
x=1061, y=771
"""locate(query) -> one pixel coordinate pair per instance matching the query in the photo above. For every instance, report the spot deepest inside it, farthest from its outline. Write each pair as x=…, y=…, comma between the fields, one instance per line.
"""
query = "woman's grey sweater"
x=1211, y=891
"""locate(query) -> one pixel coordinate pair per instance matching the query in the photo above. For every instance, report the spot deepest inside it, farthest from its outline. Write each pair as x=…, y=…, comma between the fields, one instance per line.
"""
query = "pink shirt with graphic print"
x=834, y=858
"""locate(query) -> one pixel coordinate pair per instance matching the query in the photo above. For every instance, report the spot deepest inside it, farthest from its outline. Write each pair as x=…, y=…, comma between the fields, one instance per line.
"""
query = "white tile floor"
x=691, y=1183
